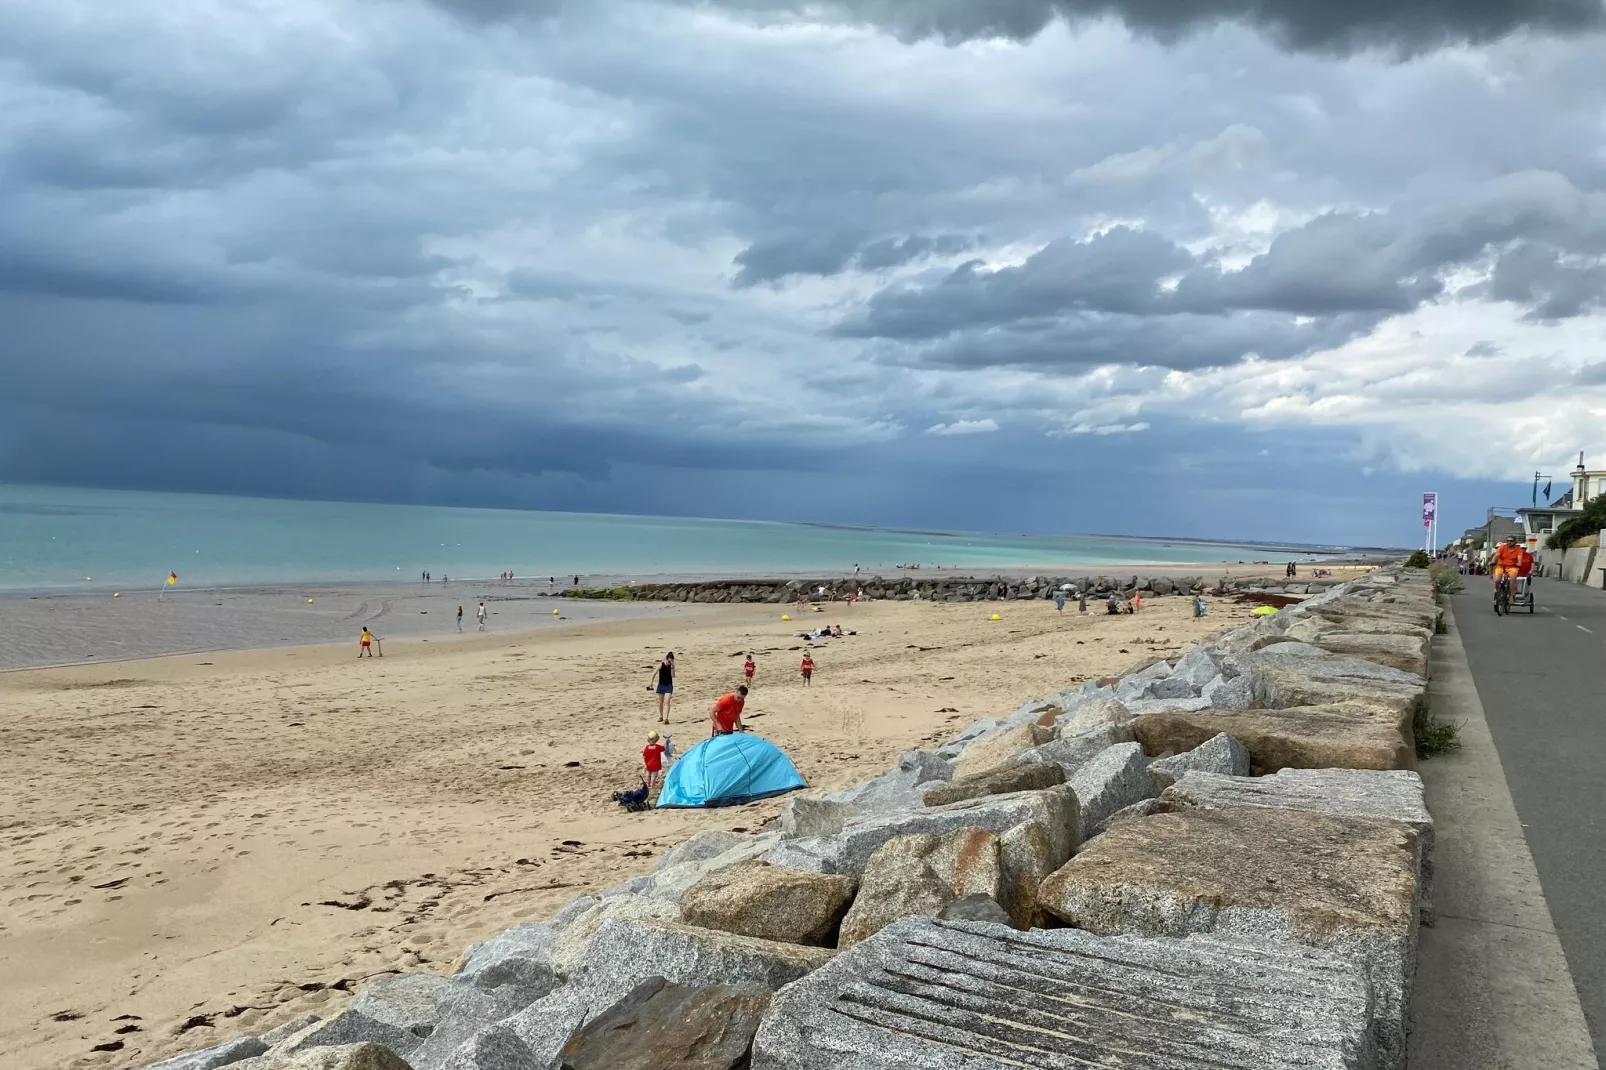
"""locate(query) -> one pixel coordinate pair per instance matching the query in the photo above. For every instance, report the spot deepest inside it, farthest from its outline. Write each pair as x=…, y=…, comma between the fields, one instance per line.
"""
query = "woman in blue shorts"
x=666, y=686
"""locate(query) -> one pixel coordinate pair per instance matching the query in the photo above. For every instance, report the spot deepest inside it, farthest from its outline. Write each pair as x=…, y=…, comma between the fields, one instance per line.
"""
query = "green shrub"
x=1434, y=736
x=1419, y=559
x=1445, y=579
x=1591, y=520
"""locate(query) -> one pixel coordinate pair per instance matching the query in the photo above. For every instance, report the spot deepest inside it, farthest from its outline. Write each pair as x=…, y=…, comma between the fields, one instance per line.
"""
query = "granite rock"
x=1099, y=709
x=225, y=1054
x=1070, y=753
x=899, y=787
x=366, y=1056
x=352, y=1027
x=770, y=903
x=1346, y=735
x=1218, y=754
x=923, y=874
x=1347, y=885
x=1055, y=808
x=664, y=1026
x=1002, y=749
x=574, y=942
x=1394, y=795
x=803, y=817
x=1408, y=653
x=1001, y=780
x=703, y=846
x=973, y=996
x=1234, y=693
x=522, y=951
x=1117, y=778
x=975, y=907
x=406, y=1001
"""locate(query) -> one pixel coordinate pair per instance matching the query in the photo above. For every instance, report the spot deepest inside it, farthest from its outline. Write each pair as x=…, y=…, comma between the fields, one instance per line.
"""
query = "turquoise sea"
x=56, y=538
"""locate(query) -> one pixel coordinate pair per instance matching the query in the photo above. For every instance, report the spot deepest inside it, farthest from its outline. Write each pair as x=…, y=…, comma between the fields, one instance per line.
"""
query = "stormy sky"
x=1225, y=268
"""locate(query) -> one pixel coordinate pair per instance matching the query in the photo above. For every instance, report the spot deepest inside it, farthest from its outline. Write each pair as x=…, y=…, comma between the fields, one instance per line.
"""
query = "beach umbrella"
x=1263, y=611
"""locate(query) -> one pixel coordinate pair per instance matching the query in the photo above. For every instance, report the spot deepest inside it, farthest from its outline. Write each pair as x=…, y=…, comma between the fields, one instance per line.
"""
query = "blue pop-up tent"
x=729, y=769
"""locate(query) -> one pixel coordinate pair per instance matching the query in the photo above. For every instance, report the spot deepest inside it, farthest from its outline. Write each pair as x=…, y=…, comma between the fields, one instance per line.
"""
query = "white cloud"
x=964, y=427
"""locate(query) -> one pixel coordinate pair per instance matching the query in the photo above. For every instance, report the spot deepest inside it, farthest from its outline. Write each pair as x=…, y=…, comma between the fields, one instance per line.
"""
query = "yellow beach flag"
x=172, y=578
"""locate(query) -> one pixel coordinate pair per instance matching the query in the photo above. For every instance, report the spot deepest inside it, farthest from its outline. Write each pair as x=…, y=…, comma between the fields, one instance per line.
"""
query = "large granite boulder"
x=1028, y=853
x=664, y=1026
x=899, y=787
x=923, y=874
x=848, y=853
x=365, y=1056
x=770, y=903
x=803, y=816
x=1070, y=753
x=1394, y=795
x=230, y=1053
x=1002, y=749
x=574, y=942
x=703, y=846
x=1117, y=778
x=1218, y=754
x=1100, y=708
x=1001, y=780
x=1408, y=653
x=967, y=996
x=406, y=1001
x=1346, y=735
x=349, y=1028
x=1343, y=884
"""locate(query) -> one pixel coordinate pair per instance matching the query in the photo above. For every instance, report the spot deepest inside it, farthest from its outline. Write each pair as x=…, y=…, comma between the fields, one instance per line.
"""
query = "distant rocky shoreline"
x=939, y=588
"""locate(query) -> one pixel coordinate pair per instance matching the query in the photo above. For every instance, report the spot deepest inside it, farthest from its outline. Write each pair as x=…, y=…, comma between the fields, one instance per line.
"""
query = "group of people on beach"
x=725, y=717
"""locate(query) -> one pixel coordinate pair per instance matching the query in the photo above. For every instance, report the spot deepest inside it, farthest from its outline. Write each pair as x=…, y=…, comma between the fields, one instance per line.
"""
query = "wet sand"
x=75, y=629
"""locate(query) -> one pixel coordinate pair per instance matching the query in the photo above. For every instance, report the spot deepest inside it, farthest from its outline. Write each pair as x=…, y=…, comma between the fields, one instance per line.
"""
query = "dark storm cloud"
x=1118, y=271
x=1183, y=342
x=775, y=259
x=1103, y=299
x=1306, y=25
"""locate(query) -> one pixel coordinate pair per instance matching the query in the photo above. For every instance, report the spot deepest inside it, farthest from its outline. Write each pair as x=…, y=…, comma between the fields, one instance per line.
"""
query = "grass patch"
x=1433, y=736
x=1420, y=559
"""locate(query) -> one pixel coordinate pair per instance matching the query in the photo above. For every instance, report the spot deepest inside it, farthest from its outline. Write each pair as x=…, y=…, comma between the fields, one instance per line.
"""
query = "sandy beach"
x=198, y=846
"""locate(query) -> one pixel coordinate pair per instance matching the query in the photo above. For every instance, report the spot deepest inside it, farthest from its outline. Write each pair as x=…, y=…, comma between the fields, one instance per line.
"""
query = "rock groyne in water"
x=939, y=588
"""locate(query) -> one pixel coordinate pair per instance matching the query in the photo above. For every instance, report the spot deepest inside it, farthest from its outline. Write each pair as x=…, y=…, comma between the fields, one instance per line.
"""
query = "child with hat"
x=652, y=756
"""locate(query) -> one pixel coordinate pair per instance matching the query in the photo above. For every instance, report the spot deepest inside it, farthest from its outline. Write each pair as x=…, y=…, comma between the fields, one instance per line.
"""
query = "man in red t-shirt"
x=727, y=714
x=652, y=757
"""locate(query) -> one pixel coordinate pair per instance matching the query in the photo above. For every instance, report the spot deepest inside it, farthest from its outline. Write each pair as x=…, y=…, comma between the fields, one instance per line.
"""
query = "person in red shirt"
x=748, y=667
x=727, y=713
x=652, y=757
x=807, y=669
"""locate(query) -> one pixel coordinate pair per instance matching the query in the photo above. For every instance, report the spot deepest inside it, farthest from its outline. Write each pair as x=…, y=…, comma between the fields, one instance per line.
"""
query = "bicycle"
x=1502, y=596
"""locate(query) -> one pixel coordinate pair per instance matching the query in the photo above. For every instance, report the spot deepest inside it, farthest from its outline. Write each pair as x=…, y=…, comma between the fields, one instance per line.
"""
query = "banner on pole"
x=1430, y=508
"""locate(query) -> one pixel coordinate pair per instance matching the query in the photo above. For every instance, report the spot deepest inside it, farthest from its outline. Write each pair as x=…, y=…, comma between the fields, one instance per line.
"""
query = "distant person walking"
x=1137, y=601
x=1198, y=606
x=807, y=669
x=367, y=643
x=1082, y=602
x=1059, y=601
x=749, y=667
x=459, y=618
x=480, y=615
x=665, y=686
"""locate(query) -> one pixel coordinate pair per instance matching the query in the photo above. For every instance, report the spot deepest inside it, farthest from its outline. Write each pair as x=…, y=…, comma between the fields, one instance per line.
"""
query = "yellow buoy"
x=309, y=601
x=995, y=616
x=786, y=616
x=555, y=613
x=117, y=594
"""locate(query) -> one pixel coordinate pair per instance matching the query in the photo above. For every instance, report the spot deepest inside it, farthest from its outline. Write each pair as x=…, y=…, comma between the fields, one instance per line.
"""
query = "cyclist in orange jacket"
x=1507, y=563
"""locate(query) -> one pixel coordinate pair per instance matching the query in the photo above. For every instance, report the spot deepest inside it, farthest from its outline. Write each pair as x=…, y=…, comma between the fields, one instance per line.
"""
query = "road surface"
x=1542, y=683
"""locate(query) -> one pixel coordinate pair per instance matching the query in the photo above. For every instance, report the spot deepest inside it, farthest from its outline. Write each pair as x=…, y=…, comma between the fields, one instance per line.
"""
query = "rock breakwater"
x=1217, y=862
